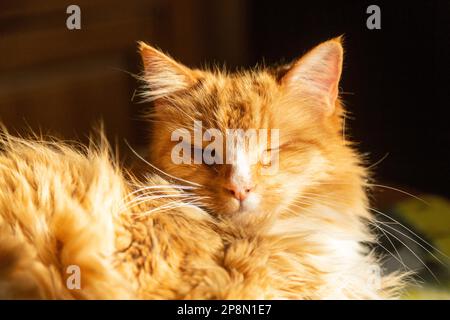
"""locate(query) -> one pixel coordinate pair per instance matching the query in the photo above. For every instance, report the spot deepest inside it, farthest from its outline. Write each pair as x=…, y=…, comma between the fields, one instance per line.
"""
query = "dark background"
x=395, y=82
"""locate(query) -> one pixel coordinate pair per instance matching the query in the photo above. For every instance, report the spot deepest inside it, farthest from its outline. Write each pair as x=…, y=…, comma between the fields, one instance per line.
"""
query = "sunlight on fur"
x=179, y=233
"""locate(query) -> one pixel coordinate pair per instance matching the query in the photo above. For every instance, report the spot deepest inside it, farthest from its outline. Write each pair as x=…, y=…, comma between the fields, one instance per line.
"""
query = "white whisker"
x=399, y=190
x=143, y=199
x=417, y=257
x=159, y=170
x=158, y=188
x=415, y=241
x=412, y=232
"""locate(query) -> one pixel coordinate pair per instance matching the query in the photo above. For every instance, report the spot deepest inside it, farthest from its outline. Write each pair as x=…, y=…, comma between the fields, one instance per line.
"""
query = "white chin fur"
x=251, y=203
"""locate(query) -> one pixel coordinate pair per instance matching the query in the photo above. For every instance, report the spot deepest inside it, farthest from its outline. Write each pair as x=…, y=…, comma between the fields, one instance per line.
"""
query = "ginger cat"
x=199, y=231
x=317, y=194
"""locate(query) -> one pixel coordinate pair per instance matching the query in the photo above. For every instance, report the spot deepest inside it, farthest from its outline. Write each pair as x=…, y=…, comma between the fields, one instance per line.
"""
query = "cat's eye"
x=279, y=147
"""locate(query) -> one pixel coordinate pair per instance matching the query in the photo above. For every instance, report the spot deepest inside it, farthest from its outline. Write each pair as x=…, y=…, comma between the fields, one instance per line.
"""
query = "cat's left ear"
x=162, y=74
x=315, y=76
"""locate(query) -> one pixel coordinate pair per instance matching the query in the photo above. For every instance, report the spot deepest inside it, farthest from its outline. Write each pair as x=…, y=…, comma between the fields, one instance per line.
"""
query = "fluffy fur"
x=160, y=238
x=60, y=206
x=317, y=198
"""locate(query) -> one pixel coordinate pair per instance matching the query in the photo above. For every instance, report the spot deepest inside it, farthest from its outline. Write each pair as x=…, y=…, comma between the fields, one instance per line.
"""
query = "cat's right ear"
x=316, y=76
x=162, y=74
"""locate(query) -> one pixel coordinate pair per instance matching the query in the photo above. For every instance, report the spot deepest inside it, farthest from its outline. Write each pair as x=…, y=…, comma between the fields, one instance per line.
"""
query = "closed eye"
x=277, y=148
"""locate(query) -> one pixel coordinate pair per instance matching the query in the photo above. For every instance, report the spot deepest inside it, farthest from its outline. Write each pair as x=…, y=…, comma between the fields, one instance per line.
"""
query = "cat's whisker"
x=399, y=258
x=386, y=231
x=377, y=211
x=140, y=200
x=399, y=190
x=143, y=199
x=398, y=223
x=196, y=203
x=166, y=207
x=413, y=240
x=415, y=255
x=163, y=194
x=368, y=184
x=160, y=188
x=378, y=162
x=161, y=171
x=412, y=232
x=162, y=208
x=139, y=186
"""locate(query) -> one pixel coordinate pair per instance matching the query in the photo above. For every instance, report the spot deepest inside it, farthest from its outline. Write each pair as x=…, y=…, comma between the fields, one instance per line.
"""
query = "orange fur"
x=157, y=238
x=318, y=195
x=60, y=206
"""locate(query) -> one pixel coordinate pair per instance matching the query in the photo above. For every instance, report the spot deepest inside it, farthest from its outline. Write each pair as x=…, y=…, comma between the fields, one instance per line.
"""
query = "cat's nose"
x=240, y=192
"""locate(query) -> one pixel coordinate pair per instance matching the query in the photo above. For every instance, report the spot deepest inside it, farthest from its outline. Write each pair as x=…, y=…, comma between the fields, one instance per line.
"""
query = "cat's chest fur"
x=189, y=256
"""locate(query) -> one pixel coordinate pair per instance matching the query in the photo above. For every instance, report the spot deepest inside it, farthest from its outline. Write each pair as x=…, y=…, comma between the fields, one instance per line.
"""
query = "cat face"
x=295, y=115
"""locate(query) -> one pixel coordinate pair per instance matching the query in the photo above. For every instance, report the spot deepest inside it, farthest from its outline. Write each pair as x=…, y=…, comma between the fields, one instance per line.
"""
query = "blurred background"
x=395, y=84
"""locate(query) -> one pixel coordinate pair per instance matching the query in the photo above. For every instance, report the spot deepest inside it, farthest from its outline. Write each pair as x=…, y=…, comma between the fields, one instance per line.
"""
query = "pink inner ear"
x=163, y=75
x=317, y=74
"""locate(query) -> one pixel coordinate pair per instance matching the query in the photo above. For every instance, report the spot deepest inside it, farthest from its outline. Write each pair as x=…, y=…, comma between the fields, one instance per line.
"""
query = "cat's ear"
x=162, y=74
x=315, y=76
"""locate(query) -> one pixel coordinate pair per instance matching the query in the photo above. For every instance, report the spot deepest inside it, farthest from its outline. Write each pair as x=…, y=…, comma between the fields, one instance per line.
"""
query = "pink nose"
x=240, y=192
